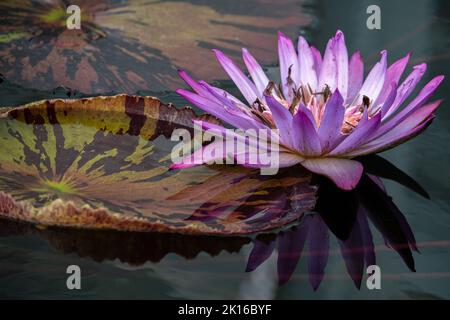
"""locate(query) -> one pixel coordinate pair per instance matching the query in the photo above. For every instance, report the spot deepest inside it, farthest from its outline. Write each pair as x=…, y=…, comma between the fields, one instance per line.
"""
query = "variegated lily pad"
x=130, y=45
x=103, y=163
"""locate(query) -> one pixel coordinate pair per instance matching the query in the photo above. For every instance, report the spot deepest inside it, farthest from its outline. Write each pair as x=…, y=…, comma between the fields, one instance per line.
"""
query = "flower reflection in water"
x=349, y=217
x=346, y=216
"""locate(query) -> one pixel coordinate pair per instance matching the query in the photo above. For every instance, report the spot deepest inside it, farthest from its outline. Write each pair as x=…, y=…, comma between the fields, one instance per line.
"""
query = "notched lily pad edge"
x=61, y=214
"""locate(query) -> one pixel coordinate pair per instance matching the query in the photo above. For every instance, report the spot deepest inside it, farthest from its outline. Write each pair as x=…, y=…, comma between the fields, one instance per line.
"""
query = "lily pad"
x=103, y=163
x=126, y=46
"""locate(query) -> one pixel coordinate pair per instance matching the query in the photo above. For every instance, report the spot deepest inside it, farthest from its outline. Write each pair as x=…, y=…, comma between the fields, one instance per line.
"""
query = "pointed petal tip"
x=184, y=75
x=302, y=39
x=339, y=34
x=420, y=67
x=281, y=34
x=337, y=93
x=181, y=165
x=181, y=92
x=218, y=53
x=439, y=78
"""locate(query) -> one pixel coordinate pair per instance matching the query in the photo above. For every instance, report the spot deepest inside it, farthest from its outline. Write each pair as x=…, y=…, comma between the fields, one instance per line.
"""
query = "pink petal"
x=328, y=71
x=257, y=73
x=224, y=98
x=236, y=118
x=282, y=118
x=244, y=84
x=355, y=76
x=286, y=159
x=308, y=74
x=406, y=130
x=200, y=156
x=193, y=84
x=340, y=52
x=393, y=74
x=405, y=89
x=390, y=98
x=289, y=159
x=375, y=79
x=288, y=61
x=331, y=123
x=366, y=127
x=343, y=172
x=305, y=137
x=421, y=98
x=256, y=140
x=317, y=60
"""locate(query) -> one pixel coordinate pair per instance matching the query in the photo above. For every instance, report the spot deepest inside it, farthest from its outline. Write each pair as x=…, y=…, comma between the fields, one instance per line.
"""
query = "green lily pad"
x=103, y=163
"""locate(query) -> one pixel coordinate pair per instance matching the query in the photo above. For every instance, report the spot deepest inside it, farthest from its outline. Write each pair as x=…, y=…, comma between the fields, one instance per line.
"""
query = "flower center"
x=314, y=102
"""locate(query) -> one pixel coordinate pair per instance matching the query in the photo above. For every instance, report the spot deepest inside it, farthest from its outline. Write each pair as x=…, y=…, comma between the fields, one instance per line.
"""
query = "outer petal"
x=343, y=172
x=405, y=89
x=244, y=84
x=237, y=119
x=406, y=130
x=258, y=75
x=207, y=91
x=308, y=75
x=331, y=124
x=222, y=98
x=418, y=102
x=375, y=79
x=289, y=159
x=200, y=156
x=229, y=134
x=194, y=84
x=288, y=61
x=340, y=52
x=355, y=76
x=393, y=74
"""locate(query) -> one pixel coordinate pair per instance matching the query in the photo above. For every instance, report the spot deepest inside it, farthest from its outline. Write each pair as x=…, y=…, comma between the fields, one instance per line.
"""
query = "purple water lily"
x=324, y=109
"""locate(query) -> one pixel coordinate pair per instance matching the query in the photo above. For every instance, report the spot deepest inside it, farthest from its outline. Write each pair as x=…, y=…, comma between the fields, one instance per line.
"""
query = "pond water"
x=33, y=261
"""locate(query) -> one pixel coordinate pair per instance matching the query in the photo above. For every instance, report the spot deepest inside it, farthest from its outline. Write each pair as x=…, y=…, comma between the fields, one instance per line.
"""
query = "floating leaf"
x=104, y=163
x=125, y=46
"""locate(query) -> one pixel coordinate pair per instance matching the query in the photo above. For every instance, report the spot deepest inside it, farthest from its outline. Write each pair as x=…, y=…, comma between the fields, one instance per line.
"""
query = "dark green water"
x=32, y=265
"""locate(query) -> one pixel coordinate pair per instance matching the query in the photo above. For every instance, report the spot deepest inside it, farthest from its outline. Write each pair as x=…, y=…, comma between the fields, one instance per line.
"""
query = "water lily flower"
x=325, y=111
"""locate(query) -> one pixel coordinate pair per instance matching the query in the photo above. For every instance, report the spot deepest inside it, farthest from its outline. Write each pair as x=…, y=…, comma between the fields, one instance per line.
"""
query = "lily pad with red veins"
x=103, y=163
